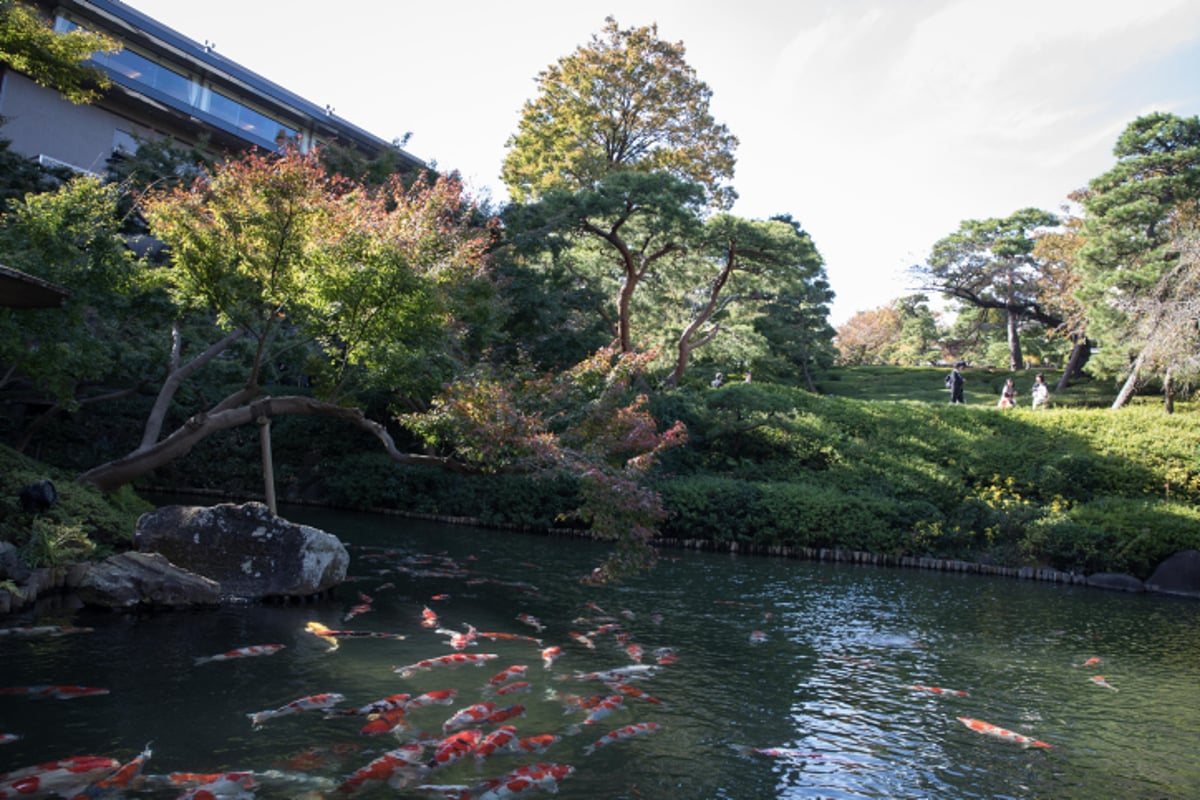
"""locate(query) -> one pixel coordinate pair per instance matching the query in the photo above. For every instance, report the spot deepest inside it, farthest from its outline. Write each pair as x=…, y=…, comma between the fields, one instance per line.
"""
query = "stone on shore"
x=144, y=579
x=245, y=548
x=1177, y=574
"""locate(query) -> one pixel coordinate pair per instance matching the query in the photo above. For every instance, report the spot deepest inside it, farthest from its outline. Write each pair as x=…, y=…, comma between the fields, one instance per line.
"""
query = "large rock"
x=144, y=579
x=1115, y=580
x=1177, y=574
x=248, y=550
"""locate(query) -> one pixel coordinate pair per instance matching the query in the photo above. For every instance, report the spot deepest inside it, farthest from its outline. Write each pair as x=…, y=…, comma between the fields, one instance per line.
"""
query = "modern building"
x=163, y=85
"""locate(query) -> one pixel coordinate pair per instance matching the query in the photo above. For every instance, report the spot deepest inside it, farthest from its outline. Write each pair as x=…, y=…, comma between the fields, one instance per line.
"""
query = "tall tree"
x=990, y=264
x=625, y=101
x=868, y=336
x=30, y=45
x=1132, y=228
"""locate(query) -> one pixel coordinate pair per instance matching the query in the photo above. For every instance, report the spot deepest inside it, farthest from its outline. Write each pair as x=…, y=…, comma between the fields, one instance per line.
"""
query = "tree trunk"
x=686, y=345
x=1081, y=351
x=1015, y=360
x=117, y=473
x=1130, y=385
x=1168, y=393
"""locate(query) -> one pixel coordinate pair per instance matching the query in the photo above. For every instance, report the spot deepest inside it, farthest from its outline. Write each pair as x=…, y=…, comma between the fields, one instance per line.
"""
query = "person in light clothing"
x=1040, y=391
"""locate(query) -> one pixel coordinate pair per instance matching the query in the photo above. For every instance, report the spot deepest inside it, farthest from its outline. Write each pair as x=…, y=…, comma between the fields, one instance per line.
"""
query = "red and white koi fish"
x=506, y=713
x=599, y=711
x=1100, y=681
x=523, y=781
x=583, y=640
x=989, y=729
x=618, y=674
x=454, y=748
x=536, y=744
x=757, y=637
x=550, y=655
x=384, y=722
x=460, y=641
x=512, y=688
x=593, y=607
x=503, y=738
x=317, y=629
x=44, y=630
x=916, y=687
x=442, y=697
x=66, y=778
x=636, y=729
x=516, y=637
x=55, y=692
x=221, y=788
x=244, y=779
x=507, y=675
x=471, y=715
x=127, y=772
x=242, y=652
x=429, y=618
x=1091, y=662
x=383, y=768
x=627, y=614
x=362, y=608
x=315, y=702
x=635, y=652
x=9, y=738
x=531, y=621
x=666, y=655
x=452, y=660
x=390, y=703
x=633, y=691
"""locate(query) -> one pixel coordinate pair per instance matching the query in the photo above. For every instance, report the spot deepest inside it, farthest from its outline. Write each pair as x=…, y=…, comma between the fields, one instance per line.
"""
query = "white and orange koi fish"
x=9, y=738
x=626, y=732
x=241, y=652
x=66, y=778
x=471, y=715
x=507, y=675
x=127, y=773
x=442, y=697
x=55, y=692
x=460, y=641
x=583, y=640
x=531, y=621
x=1100, y=681
x=452, y=660
x=916, y=687
x=1091, y=662
x=429, y=618
x=988, y=729
x=384, y=768
x=315, y=702
x=503, y=738
x=550, y=655
x=511, y=688
x=536, y=744
x=454, y=748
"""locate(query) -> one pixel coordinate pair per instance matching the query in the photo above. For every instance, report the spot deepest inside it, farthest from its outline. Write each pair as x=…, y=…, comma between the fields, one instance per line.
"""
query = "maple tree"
x=30, y=44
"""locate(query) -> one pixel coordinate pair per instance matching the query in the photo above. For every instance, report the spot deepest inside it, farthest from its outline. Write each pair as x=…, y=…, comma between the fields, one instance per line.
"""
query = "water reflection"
x=822, y=705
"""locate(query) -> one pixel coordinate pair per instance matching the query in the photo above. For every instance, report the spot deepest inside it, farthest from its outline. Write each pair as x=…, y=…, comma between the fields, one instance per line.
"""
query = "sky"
x=880, y=125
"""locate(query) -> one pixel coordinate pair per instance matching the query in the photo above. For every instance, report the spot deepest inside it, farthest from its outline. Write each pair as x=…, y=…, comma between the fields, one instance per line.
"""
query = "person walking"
x=955, y=381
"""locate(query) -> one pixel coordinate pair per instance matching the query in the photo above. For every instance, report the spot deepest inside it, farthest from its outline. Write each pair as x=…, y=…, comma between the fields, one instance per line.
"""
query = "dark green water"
x=827, y=691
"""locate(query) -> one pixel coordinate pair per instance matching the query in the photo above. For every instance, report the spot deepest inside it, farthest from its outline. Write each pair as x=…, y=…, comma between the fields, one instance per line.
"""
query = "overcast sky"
x=879, y=124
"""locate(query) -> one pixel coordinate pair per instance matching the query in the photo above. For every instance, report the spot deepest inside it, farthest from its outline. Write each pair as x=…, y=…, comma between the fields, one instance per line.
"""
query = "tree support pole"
x=264, y=439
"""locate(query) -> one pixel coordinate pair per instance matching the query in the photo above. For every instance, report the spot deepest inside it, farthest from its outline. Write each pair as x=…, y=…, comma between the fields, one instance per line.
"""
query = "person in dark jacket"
x=955, y=381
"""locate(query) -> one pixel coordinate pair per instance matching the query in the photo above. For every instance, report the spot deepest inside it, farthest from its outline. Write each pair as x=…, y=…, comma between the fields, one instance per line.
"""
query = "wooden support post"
x=264, y=439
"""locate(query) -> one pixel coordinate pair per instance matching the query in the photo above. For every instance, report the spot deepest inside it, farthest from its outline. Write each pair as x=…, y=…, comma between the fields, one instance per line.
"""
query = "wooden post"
x=264, y=439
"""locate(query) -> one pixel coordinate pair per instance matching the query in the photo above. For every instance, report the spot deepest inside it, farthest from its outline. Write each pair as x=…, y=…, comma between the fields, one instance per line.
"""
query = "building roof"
x=21, y=290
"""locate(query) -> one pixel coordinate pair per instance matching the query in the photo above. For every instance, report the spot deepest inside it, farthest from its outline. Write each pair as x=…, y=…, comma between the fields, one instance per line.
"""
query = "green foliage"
x=29, y=44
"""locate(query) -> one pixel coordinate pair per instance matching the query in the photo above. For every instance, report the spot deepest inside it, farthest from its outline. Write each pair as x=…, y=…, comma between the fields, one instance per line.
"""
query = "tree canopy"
x=29, y=44
x=626, y=101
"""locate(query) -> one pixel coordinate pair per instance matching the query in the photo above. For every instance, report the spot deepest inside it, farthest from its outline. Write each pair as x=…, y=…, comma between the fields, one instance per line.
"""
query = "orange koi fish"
x=632, y=691
x=383, y=769
x=583, y=640
x=317, y=629
x=452, y=660
x=666, y=655
x=384, y=722
x=636, y=729
x=531, y=621
x=1091, y=662
x=315, y=702
x=429, y=618
x=512, y=688
x=536, y=744
x=127, y=772
x=443, y=697
x=454, y=748
x=245, y=779
x=1100, y=681
x=66, y=778
x=56, y=692
x=635, y=652
x=361, y=608
x=516, y=637
x=522, y=781
x=242, y=652
x=989, y=729
x=550, y=655
x=503, y=738
x=506, y=713
x=916, y=687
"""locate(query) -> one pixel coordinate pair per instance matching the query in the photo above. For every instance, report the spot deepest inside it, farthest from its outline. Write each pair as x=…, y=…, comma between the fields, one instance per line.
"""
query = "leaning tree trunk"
x=1081, y=351
x=1130, y=385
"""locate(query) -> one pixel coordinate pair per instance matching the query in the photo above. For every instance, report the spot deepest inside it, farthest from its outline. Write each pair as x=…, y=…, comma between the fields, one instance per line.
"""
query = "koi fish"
x=666, y=655
x=56, y=692
x=222, y=788
x=1091, y=662
x=507, y=675
x=429, y=618
x=1100, y=681
x=635, y=652
x=127, y=772
x=583, y=640
x=44, y=630
x=523, y=780
x=471, y=715
x=619, y=674
x=9, y=738
x=454, y=748
x=536, y=744
x=317, y=629
x=452, y=660
x=503, y=738
x=460, y=641
x=512, y=688
x=242, y=652
x=636, y=729
x=315, y=702
x=633, y=691
x=384, y=722
x=355, y=611
x=508, y=712
x=443, y=697
x=600, y=711
x=550, y=655
x=245, y=779
x=593, y=607
x=65, y=778
x=383, y=768
x=390, y=703
x=989, y=729
x=531, y=621
x=757, y=637
x=516, y=637
x=916, y=687
x=627, y=614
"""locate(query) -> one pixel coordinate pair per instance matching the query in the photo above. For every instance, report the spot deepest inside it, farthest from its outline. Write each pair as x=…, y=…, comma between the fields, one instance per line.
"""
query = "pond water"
x=784, y=679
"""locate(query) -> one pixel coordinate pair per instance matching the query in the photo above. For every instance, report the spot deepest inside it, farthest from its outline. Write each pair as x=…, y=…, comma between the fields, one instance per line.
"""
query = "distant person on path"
x=1040, y=391
x=717, y=380
x=1008, y=395
x=955, y=381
